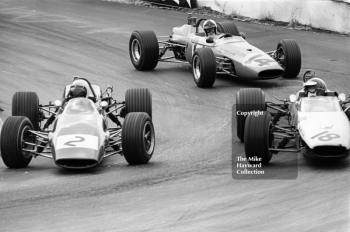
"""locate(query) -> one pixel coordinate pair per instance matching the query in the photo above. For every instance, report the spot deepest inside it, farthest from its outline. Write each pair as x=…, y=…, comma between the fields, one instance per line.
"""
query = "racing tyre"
x=348, y=114
x=26, y=104
x=144, y=50
x=204, y=67
x=228, y=27
x=247, y=100
x=288, y=56
x=138, y=100
x=258, y=138
x=138, y=138
x=188, y=53
x=16, y=130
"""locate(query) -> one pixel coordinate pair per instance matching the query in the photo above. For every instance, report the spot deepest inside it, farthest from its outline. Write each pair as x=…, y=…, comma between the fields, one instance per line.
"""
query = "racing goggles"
x=210, y=31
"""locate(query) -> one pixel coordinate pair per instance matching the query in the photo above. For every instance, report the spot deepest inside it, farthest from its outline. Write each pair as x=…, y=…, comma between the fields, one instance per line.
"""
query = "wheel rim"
x=136, y=50
x=280, y=56
x=26, y=154
x=148, y=138
x=196, y=68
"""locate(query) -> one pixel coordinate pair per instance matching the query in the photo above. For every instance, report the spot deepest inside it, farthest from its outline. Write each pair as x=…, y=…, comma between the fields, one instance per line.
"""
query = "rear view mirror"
x=191, y=20
x=308, y=75
x=109, y=89
x=58, y=103
x=293, y=98
x=342, y=97
x=244, y=36
x=104, y=104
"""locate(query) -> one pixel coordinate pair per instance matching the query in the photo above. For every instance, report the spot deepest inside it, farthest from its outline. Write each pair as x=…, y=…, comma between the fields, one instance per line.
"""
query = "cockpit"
x=79, y=106
x=320, y=104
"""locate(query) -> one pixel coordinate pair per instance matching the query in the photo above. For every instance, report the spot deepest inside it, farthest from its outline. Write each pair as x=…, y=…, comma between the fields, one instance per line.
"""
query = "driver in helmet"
x=321, y=87
x=310, y=88
x=210, y=28
x=79, y=88
x=315, y=87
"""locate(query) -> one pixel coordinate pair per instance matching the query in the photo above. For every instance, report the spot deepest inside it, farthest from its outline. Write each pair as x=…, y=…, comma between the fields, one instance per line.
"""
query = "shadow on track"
x=105, y=166
x=328, y=164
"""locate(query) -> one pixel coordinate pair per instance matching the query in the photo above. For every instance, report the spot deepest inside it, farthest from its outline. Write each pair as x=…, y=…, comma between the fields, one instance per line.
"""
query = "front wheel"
x=138, y=138
x=16, y=130
x=144, y=50
x=288, y=55
x=258, y=138
x=138, y=100
x=204, y=67
x=248, y=100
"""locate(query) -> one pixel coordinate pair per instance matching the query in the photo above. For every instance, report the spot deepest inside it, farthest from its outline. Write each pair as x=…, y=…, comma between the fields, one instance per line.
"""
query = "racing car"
x=315, y=124
x=81, y=130
x=227, y=53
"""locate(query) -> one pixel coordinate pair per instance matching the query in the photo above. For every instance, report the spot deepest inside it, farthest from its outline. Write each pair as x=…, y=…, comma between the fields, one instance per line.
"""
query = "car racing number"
x=74, y=143
x=260, y=61
x=263, y=62
x=77, y=141
x=325, y=136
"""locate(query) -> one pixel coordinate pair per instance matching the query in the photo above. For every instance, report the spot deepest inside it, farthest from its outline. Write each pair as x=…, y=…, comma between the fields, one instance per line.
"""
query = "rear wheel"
x=16, y=130
x=1, y=123
x=138, y=100
x=27, y=104
x=228, y=27
x=288, y=56
x=247, y=100
x=138, y=138
x=204, y=67
x=258, y=138
x=144, y=50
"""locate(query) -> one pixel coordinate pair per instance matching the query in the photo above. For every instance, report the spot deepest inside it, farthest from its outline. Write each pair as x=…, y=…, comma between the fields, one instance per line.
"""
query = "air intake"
x=270, y=74
x=331, y=151
x=76, y=163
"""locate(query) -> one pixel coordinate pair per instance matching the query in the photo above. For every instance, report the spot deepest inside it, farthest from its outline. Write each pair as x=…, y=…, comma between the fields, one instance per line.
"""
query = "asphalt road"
x=188, y=184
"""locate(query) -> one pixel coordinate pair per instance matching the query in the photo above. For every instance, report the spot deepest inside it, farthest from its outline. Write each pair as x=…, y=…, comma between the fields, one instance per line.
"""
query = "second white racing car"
x=226, y=52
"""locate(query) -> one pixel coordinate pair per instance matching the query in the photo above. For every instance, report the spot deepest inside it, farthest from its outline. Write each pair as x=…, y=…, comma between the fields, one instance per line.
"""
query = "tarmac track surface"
x=188, y=185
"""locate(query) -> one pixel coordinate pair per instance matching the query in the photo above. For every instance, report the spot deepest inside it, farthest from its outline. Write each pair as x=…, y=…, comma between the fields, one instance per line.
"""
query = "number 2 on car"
x=77, y=141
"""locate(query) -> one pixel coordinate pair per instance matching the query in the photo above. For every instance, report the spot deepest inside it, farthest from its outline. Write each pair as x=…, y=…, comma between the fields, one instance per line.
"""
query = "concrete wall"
x=333, y=15
x=325, y=14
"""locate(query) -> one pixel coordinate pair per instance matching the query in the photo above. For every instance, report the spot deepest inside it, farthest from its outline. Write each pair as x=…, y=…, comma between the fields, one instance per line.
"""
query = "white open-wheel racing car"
x=228, y=53
x=318, y=125
x=75, y=132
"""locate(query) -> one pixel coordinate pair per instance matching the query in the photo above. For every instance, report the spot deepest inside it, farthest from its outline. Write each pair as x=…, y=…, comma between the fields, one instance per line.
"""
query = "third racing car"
x=314, y=121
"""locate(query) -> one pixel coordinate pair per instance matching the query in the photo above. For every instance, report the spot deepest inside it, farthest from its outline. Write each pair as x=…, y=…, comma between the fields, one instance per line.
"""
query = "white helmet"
x=210, y=26
x=79, y=88
x=315, y=85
